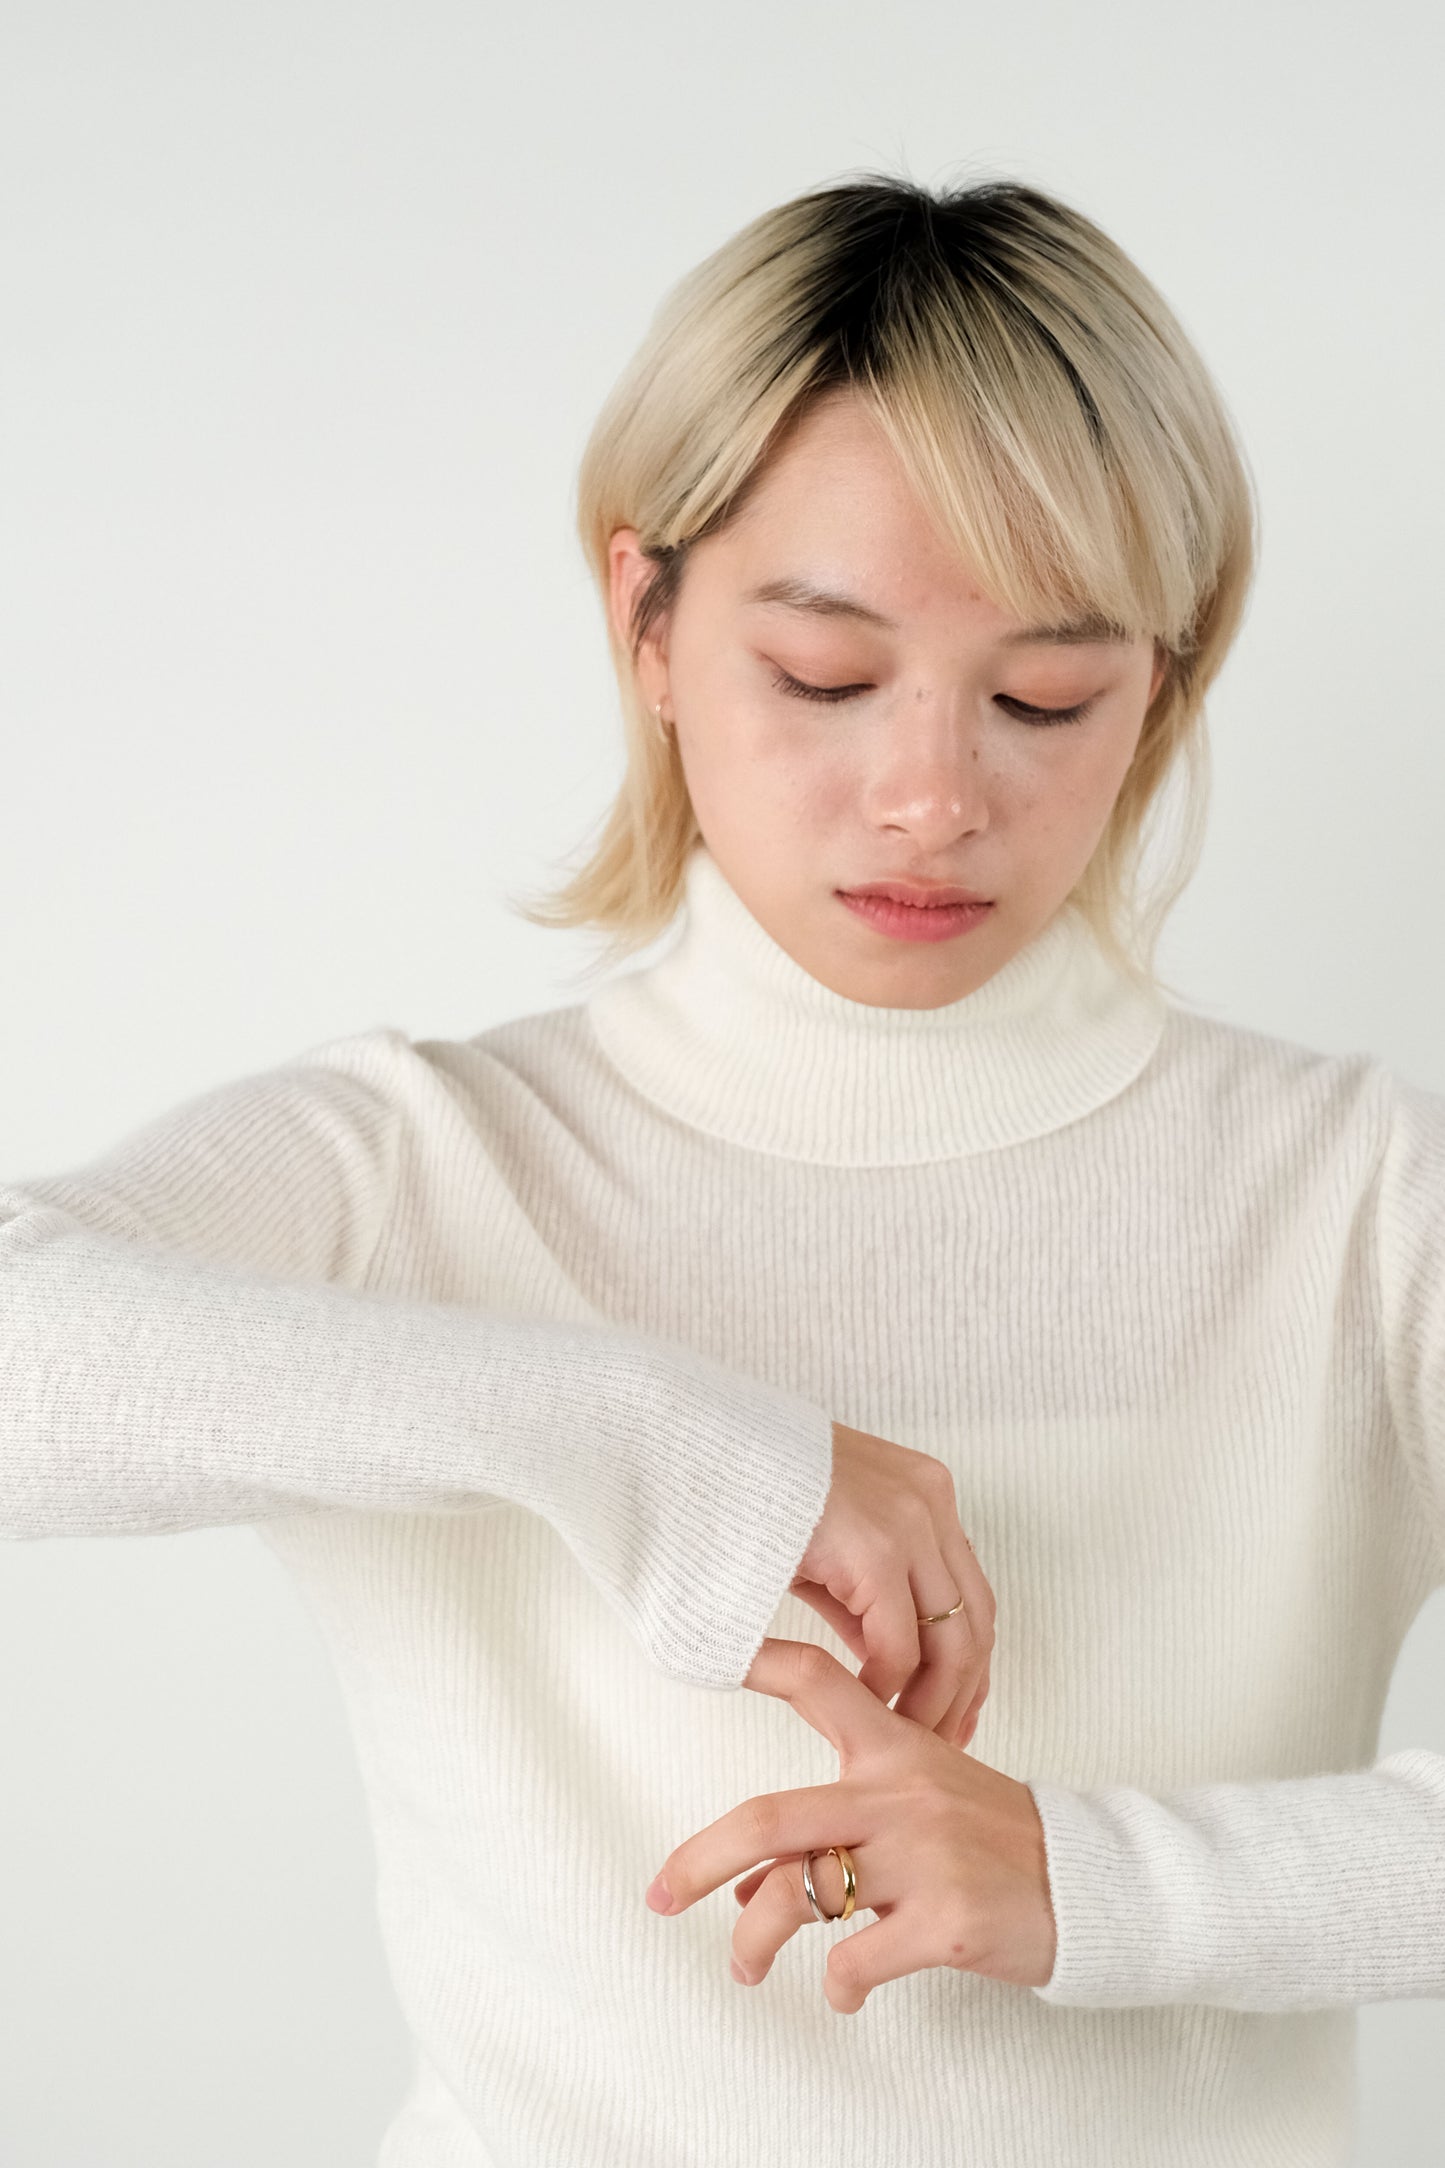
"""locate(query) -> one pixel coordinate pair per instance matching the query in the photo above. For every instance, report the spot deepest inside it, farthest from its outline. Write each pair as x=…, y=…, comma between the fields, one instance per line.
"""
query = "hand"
x=887, y=1548
x=948, y=1853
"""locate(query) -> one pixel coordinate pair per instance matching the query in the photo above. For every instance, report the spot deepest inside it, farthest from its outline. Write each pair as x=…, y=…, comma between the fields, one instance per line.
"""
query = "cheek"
x=1102, y=766
x=786, y=763
x=763, y=775
x=1060, y=793
x=821, y=786
x=1076, y=769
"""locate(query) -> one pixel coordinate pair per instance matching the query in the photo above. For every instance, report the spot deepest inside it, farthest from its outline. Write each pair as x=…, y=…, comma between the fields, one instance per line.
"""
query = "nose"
x=929, y=778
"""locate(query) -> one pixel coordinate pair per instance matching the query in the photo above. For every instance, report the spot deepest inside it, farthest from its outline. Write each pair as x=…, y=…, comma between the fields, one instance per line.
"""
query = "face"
x=931, y=760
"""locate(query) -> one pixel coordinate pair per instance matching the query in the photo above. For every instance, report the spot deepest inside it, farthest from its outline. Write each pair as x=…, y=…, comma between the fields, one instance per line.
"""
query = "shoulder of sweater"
x=1219, y=1050
x=395, y=1063
x=427, y=1082
x=1241, y=1081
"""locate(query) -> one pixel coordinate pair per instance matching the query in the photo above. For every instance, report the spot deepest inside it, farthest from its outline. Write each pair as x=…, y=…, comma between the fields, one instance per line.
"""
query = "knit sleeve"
x=187, y=1340
x=1299, y=1893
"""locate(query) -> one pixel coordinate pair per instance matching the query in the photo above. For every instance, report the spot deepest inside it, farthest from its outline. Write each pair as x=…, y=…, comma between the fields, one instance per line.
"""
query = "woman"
x=893, y=1266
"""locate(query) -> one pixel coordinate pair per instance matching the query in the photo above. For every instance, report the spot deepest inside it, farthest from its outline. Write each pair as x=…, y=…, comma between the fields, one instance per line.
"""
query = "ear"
x=629, y=572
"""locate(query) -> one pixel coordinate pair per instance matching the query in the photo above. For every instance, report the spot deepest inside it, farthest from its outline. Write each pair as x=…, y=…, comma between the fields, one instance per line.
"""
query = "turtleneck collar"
x=728, y=1033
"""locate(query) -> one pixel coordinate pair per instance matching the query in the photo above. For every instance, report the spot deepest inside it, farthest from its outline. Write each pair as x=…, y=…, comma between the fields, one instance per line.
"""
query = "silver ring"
x=818, y=1912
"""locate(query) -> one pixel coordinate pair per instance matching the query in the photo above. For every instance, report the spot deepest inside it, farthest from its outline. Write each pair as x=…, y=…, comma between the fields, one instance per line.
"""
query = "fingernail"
x=744, y=1978
x=659, y=1896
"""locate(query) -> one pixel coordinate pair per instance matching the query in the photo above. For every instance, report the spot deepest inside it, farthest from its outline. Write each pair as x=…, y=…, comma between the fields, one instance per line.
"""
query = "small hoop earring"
x=662, y=730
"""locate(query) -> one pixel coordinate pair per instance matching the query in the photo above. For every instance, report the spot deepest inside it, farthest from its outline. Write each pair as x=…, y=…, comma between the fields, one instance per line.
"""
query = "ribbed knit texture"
x=523, y=1351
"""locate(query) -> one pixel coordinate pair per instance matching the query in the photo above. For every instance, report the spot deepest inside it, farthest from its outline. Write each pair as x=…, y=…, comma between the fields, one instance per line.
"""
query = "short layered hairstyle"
x=1049, y=409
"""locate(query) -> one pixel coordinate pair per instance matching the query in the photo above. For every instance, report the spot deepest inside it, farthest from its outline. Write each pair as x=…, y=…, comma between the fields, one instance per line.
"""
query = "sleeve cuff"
x=735, y=1486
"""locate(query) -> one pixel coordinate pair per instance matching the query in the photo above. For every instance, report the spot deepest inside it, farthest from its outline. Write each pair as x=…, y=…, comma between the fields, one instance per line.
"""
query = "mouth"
x=902, y=919
x=923, y=895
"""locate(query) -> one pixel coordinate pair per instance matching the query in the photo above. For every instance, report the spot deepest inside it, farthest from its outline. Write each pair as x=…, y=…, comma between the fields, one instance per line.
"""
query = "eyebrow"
x=1092, y=629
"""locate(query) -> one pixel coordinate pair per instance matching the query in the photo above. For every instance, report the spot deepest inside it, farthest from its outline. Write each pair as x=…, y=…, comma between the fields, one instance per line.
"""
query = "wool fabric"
x=523, y=1352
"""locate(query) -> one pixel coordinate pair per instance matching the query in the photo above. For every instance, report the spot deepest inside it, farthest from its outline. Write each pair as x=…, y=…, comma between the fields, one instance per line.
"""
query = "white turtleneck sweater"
x=522, y=1352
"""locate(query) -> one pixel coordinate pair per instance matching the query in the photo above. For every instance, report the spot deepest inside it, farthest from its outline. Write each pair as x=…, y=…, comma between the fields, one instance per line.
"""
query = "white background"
x=307, y=311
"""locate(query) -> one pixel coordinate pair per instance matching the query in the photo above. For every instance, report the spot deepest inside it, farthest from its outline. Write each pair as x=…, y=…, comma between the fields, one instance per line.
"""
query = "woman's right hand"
x=887, y=1548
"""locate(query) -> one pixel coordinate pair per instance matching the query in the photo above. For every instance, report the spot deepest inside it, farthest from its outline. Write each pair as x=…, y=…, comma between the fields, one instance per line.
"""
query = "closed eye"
x=1042, y=717
x=1021, y=710
x=787, y=683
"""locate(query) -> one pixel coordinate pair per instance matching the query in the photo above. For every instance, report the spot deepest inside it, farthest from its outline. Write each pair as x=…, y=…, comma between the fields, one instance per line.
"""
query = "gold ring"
x=931, y=1618
x=844, y=1858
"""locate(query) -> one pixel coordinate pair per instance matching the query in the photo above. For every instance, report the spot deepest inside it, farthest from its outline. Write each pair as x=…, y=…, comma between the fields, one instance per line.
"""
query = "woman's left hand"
x=947, y=1852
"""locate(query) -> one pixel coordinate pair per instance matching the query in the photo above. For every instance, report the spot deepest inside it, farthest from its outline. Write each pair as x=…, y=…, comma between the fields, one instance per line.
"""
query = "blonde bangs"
x=1042, y=455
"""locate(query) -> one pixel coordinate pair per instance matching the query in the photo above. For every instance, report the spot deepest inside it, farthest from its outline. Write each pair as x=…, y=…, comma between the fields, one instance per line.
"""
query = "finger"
x=946, y=1646
x=774, y=1915
x=961, y=1722
x=750, y=1884
x=951, y=1727
x=899, y=1943
x=974, y=1711
x=834, y=1700
x=779, y=1906
x=765, y=1827
x=833, y=1613
x=890, y=1632
x=973, y=1585
x=956, y=1650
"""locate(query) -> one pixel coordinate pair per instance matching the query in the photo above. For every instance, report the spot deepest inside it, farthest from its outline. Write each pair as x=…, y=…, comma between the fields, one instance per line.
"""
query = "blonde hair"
x=1047, y=406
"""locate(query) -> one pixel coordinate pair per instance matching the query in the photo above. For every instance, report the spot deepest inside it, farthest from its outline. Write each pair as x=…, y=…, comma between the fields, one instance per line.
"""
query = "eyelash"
x=1037, y=718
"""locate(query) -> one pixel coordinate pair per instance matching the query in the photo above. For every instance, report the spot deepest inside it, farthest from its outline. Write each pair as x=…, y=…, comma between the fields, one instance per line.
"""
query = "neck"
x=727, y=1032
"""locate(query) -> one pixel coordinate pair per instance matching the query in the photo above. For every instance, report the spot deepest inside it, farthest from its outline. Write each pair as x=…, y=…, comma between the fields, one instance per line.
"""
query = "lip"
x=912, y=921
x=921, y=894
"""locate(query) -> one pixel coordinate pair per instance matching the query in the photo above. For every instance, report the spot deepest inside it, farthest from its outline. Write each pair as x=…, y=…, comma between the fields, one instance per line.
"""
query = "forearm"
x=144, y=1391
x=1293, y=1894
